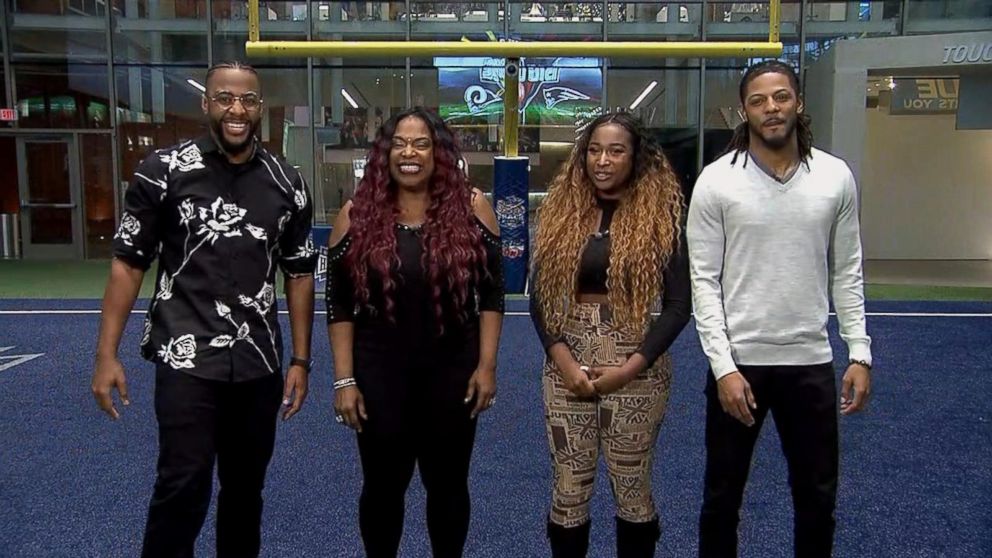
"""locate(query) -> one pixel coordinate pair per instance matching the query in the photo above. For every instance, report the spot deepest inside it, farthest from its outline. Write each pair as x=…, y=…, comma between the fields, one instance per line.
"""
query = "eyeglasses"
x=250, y=101
x=419, y=144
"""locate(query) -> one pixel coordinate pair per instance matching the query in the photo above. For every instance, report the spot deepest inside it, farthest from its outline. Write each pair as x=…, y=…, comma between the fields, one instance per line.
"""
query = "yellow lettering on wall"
x=926, y=88
x=947, y=88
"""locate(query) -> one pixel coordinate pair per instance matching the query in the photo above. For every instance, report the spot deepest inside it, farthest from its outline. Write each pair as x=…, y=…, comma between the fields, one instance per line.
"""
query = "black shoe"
x=637, y=540
x=569, y=542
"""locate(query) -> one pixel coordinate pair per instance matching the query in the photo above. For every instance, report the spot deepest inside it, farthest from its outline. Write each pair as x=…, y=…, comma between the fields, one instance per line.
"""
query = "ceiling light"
x=643, y=94
x=348, y=98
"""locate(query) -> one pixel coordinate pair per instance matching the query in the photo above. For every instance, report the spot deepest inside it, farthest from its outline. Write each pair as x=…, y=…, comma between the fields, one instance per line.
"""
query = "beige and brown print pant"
x=624, y=424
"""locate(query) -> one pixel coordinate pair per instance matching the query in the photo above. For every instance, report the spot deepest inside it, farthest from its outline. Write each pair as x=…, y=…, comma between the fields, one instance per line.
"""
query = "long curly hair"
x=453, y=253
x=643, y=235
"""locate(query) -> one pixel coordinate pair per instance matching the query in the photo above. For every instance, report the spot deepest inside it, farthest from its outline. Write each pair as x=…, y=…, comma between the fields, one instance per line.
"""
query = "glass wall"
x=97, y=178
x=116, y=84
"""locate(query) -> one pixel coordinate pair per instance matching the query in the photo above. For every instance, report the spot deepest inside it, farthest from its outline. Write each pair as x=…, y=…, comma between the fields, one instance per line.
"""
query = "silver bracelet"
x=344, y=382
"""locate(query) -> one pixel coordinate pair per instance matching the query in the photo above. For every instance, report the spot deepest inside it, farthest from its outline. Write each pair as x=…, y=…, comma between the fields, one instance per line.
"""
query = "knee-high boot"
x=637, y=540
x=568, y=542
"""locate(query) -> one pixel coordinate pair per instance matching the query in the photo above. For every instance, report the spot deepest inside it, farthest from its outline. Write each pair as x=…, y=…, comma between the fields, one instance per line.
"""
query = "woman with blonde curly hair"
x=609, y=246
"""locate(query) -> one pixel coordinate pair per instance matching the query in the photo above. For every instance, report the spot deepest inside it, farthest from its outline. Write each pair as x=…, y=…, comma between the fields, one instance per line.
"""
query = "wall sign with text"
x=968, y=53
x=925, y=96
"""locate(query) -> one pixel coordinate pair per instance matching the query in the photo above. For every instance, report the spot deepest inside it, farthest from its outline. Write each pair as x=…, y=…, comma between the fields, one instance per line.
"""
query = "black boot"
x=568, y=542
x=637, y=540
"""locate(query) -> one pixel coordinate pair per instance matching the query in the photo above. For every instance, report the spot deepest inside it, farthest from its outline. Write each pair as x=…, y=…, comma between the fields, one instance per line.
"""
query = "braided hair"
x=230, y=65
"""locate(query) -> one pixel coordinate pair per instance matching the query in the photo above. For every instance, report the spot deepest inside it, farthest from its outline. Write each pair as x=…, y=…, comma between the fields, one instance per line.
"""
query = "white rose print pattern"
x=179, y=353
x=219, y=233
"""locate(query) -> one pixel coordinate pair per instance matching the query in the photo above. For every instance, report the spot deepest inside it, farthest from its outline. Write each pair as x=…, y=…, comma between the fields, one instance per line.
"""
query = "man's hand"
x=736, y=397
x=481, y=388
x=295, y=391
x=855, y=389
x=108, y=375
x=350, y=406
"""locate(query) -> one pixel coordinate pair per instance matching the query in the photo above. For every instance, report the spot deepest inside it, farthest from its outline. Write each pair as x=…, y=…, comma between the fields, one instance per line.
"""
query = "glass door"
x=51, y=224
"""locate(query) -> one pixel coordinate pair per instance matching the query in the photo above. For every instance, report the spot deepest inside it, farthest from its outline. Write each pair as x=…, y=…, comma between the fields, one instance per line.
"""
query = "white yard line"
x=83, y=312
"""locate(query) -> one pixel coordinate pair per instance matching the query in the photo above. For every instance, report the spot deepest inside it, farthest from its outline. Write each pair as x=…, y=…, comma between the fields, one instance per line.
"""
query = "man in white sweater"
x=773, y=237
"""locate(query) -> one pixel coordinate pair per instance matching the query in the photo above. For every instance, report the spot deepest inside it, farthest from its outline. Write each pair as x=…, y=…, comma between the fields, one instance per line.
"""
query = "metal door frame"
x=77, y=249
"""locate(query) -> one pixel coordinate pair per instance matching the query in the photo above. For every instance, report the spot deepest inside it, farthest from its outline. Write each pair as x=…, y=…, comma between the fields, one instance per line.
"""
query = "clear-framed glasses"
x=250, y=101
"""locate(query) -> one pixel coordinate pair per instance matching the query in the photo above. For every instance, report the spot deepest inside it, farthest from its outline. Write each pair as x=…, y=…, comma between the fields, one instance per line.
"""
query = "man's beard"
x=217, y=127
x=776, y=142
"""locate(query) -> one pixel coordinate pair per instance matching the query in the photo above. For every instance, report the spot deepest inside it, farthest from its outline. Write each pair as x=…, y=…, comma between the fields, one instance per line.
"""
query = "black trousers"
x=201, y=421
x=417, y=417
x=803, y=402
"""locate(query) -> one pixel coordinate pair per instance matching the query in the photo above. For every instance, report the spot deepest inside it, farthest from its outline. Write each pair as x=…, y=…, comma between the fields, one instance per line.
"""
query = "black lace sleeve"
x=339, y=293
x=492, y=289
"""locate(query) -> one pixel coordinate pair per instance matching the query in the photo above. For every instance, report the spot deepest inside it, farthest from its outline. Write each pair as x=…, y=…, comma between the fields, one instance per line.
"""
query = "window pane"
x=162, y=31
x=277, y=23
x=829, y=20
x=49, y=182
x=450, y=21
x=81, y=8
x=557, y=21
x=78, y=46
x=352, y=103
x=98, y=194
x=62, y=95
x=75, y=29
x=157, y=107
x=10, y=198
x=4, y=102
x=644, y=20
x=667, y=101
x=285, y=128
x=948, y=16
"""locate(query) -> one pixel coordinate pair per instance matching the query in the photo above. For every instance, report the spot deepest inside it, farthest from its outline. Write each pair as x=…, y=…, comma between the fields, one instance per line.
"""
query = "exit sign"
x=8, y=115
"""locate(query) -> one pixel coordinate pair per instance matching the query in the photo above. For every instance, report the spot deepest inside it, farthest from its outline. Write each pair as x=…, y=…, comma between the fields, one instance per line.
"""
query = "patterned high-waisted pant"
x=624, y=424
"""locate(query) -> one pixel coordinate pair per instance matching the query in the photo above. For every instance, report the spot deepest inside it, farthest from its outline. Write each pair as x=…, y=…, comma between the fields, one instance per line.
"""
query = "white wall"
x=835, y=84
x=926, y=188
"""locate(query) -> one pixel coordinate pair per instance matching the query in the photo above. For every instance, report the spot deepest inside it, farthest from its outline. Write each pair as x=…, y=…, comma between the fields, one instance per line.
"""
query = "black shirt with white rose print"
x=219, y=230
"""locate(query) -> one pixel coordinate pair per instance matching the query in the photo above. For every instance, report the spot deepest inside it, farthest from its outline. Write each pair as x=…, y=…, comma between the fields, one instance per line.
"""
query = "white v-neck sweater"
x=767, y=258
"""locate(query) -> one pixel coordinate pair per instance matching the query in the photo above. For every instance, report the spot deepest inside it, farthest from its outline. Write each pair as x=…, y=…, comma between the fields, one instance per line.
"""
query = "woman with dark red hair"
x=414, y=311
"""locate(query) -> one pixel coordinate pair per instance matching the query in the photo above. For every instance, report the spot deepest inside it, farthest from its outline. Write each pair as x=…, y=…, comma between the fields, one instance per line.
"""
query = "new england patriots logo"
x=536, y=82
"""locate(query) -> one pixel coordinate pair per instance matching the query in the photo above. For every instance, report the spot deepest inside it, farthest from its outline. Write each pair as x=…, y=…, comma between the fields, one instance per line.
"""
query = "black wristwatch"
x=307, y=364
x=860, y=362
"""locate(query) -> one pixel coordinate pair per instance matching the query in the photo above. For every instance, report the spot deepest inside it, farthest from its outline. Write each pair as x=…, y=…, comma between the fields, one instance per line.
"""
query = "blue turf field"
x=916, y=469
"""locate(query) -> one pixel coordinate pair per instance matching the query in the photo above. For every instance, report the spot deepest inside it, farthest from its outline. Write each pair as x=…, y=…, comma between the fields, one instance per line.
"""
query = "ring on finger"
x=338, y=418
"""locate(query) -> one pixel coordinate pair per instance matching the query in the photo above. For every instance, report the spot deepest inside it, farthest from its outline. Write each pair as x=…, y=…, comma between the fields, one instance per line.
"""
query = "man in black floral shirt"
x=220, y=213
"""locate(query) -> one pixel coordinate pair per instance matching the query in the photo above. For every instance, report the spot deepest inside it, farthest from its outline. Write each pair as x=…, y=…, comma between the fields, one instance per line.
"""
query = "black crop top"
x=596, y=255
x=676, y=301
x=412, y=297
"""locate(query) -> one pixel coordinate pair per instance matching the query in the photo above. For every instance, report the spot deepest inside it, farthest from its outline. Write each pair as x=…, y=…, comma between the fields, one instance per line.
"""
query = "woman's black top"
x=676, y=301
x=413, y=323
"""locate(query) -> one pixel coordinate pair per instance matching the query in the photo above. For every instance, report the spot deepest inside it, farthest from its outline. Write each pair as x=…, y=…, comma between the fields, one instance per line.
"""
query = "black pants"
x=200, y=421
x=417, y=416
x=803, y=402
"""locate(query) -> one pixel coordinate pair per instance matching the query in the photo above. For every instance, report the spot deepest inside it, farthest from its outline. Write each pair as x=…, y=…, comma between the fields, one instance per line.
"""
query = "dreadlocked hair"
x=454, y=258
x=643, y=235
x=741, y=140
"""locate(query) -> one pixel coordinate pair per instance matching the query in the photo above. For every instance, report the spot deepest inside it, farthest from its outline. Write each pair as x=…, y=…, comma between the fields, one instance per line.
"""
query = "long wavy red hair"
x=453, y=254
